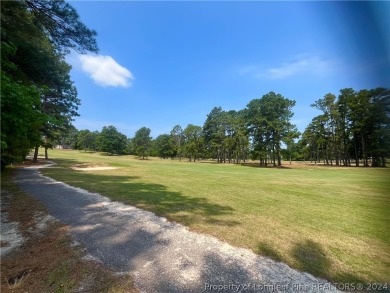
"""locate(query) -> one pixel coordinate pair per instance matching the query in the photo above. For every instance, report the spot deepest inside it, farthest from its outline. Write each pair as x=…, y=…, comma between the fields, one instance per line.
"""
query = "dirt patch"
x=29, y=162
x=91, y=167
x=48, y=260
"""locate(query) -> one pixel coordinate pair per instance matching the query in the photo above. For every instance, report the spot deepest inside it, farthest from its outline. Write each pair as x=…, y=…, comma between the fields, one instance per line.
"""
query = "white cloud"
x=302, y=65
x=105, y=71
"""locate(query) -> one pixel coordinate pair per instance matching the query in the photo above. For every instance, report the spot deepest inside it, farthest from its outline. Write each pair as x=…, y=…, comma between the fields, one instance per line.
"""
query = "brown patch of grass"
x=88, y=165
x=48, y=261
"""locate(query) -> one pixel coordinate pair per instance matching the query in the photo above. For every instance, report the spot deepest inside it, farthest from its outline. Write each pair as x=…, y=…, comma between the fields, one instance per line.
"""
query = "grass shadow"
x=269, y=166
x=150, y=196
x=265, y=249
x=311, y=258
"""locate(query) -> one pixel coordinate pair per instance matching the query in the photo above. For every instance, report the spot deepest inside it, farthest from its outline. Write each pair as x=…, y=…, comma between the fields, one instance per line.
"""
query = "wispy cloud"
x=105, y=71
x=302, y=65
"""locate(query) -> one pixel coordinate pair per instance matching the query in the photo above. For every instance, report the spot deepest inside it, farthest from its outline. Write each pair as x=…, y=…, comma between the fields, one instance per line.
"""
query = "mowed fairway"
x=331, y=222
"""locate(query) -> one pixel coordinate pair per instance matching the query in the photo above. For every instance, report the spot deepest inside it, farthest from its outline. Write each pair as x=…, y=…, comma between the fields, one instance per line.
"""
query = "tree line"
x=353, y=128
x=38, y=99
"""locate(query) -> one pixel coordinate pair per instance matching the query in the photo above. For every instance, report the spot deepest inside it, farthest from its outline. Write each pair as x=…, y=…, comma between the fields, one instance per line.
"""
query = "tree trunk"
x=365, y=161
x=356, y=154
x=278, y=154
x=35, y=159
x=46, y=155
x=273, y=154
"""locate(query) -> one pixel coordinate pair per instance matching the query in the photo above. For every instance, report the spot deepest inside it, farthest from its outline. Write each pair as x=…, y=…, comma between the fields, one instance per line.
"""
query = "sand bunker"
x=94, y=168
x=91, y=167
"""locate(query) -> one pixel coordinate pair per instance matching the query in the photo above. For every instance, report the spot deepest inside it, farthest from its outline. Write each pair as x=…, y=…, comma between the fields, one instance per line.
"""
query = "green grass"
x=332, y=222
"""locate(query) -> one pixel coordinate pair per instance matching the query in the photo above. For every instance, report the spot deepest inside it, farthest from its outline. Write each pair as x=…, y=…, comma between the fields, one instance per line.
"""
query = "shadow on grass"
x=311, y=258
x=185, y=209
x=267, y=250
x=269, y=166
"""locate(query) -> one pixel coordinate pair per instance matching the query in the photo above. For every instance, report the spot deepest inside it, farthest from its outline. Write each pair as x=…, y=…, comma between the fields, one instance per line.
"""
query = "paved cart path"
x=162, y=256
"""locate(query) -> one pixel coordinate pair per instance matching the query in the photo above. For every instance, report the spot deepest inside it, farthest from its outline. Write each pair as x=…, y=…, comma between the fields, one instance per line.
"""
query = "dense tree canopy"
x=90, y=141
x=193, y=142
x=354, y=127
x=38, y=99
x=163, y=146
x=142, y=142
x=214, y=131
x=268, y=121
x=111, y=140
x=177, y=141
x=61, y=23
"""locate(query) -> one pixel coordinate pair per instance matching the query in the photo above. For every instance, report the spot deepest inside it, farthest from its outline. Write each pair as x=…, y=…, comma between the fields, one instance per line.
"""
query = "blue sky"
x=166, y=63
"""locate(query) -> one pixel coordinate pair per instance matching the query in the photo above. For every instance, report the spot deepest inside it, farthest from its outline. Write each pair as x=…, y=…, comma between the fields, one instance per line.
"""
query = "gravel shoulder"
x=38, y=253
x=160, y=255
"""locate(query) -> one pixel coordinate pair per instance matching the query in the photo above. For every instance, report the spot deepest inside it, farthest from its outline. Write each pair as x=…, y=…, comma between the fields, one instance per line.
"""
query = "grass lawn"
x=333, y=222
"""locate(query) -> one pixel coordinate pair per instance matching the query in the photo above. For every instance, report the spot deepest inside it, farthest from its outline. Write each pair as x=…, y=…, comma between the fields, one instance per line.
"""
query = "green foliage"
x=142, y=142
x=225, y=135
x=268, y=121
x=62, y=23
x=20, y=119
x=68, y=138
x=88, y=140
x=163, y=146
x=177, y=141
x=214, y=130
x=111, y=140
x=379, y=142
x=354, y=126
x=38, y=98
x=193, y=141
x=237, y=138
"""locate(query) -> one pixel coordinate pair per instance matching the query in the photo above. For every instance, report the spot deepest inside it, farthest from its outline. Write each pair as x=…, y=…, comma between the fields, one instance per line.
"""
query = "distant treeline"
x=354, y=128
x=39, y=101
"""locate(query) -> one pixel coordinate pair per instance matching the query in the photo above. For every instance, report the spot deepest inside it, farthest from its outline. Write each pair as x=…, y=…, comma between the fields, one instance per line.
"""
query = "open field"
x=332, y=222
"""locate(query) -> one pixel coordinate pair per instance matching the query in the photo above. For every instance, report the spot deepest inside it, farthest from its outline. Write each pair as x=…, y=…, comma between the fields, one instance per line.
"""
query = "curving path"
x=162, y=256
